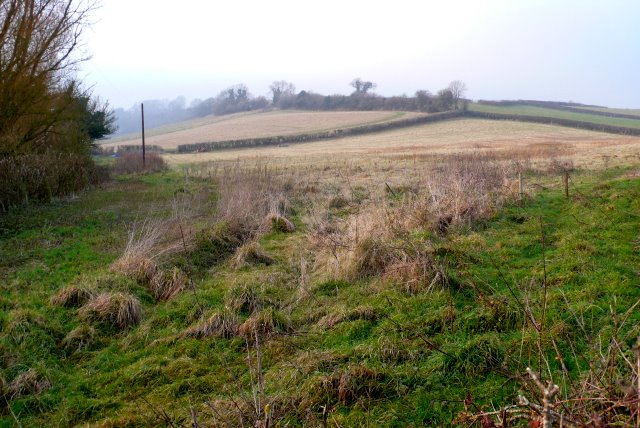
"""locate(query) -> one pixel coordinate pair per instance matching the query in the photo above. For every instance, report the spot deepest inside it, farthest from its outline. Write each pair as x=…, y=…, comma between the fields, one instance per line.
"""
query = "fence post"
x=144, y=160
x=565, y=179
x=520, y=192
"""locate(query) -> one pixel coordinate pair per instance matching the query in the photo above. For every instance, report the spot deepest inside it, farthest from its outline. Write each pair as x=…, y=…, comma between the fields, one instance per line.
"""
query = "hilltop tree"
x=361, y=86
x=281, y=88
x=457, y=89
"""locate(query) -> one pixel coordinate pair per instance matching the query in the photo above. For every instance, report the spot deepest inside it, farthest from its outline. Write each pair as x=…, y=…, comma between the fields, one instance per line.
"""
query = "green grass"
x=630, y=111
x=528, y=110
x=129, y=378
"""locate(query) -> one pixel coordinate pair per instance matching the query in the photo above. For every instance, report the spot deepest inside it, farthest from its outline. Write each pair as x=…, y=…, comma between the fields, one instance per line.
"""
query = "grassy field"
x=630, y=111
x=587, y=148
x=402, y=280
x=528, y=110
x=262, y=124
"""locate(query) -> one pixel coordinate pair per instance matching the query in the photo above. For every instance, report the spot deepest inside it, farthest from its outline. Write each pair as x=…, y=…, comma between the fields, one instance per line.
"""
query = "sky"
x=564, y=50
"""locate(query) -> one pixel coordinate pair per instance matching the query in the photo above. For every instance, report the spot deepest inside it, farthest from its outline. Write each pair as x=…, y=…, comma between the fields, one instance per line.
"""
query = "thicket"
x=47, y=121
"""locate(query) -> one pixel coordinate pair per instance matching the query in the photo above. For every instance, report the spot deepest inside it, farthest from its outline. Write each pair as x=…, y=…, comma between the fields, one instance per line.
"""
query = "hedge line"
x=557, y=121
x=570, y=107
x=336, y=133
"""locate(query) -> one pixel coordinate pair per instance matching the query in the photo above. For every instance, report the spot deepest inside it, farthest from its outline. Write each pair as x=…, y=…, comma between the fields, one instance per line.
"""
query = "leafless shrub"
x=72, y=296
x=118, y=309
x=131, y=162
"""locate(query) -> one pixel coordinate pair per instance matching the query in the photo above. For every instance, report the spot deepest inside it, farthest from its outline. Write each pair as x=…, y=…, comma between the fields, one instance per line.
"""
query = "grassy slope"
x=591, y=253
x=527, y=110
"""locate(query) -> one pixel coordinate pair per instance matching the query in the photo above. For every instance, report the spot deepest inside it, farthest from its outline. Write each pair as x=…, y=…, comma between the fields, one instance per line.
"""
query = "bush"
x=41, y=177
x=131, y=162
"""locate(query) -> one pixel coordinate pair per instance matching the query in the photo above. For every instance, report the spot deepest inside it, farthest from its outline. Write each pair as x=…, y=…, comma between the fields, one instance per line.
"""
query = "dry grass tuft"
x=278, y=223
x=79, y=339
x=360, y=313
x=137, y=259
x=220, y=324
x=166, y=285
x=141, y=268
x=118, y=309
x=251, y=254
x=72, y=296
x=30, y=382
x=348, y=386
x=264, y=324
x=244, y=299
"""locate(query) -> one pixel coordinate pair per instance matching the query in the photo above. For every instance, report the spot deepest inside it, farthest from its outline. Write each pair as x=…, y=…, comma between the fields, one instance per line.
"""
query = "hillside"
x=259, y=125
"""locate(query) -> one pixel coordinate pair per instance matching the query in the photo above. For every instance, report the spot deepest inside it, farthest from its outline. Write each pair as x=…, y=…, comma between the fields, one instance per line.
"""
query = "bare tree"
x=362, y=86
x=38, y=44
x=458, y=89
x=281, y=88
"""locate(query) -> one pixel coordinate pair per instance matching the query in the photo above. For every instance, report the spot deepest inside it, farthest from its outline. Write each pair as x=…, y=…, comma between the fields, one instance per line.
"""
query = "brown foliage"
x=131, y=162
x=118, y=309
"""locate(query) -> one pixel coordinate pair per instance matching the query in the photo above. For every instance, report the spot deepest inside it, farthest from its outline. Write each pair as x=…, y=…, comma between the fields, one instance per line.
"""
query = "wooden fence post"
x=565, y=179
x=144, y=159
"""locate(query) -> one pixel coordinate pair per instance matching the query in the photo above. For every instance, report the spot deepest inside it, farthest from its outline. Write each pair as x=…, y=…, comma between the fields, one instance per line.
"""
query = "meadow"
x=424, y=276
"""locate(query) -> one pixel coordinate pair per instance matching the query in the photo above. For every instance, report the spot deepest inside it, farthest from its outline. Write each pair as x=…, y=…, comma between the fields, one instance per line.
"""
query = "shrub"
x=131, y=162
x=117, y=309
x=41, y=177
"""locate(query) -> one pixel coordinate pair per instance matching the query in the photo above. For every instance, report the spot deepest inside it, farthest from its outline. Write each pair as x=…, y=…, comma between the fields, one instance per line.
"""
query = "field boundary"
x=590, y=126
x=570, y=107
x=317, y=136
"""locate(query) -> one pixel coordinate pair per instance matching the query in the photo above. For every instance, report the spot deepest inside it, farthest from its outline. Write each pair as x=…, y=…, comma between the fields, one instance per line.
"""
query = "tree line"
x=283, y=95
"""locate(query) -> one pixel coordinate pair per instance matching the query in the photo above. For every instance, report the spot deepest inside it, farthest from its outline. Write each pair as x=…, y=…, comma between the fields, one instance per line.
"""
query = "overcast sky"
x=580, y=50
